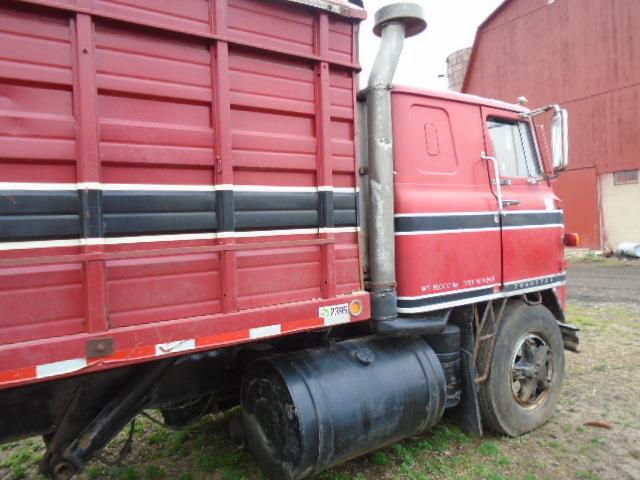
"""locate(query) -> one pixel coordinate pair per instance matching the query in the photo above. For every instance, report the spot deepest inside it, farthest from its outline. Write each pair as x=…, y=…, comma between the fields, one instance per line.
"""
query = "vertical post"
x=88, y=171
x=221, y=119
x=323, y=159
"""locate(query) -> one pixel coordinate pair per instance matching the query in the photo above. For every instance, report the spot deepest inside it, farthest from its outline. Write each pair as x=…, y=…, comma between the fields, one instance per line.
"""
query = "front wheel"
x=526, y=370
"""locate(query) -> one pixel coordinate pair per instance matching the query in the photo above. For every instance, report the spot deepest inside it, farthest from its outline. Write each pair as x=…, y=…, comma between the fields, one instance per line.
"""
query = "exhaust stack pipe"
x=393, y=24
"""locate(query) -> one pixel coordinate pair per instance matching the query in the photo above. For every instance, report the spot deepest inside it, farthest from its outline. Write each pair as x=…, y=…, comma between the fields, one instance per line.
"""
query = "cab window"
x=514, y=148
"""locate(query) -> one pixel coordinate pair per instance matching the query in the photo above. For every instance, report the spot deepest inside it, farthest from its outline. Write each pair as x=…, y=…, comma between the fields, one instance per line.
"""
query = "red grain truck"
x=198, y=209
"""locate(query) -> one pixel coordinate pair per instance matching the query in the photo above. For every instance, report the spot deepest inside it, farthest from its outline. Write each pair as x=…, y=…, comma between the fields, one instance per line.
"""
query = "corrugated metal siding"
x=581, y=53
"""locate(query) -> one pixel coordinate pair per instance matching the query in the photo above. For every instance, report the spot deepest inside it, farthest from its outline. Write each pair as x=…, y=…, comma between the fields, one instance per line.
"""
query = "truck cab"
x=476, y=218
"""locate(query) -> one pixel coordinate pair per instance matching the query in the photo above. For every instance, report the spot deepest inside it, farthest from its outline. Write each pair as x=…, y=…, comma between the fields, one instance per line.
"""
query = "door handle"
x=493, y=160
x=510, y=203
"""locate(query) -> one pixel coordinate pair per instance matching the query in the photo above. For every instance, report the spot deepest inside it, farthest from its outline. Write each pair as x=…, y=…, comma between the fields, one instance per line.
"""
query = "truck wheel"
x=526, y=370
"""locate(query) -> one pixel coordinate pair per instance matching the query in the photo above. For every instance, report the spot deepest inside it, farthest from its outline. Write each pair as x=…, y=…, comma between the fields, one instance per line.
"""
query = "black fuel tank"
x=306, y=411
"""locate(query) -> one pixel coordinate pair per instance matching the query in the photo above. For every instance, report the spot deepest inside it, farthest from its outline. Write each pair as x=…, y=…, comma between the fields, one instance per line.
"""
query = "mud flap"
x=467, y=413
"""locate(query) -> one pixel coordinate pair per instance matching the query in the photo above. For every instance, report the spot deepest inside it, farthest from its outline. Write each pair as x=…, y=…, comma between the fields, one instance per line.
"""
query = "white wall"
x=620, y=211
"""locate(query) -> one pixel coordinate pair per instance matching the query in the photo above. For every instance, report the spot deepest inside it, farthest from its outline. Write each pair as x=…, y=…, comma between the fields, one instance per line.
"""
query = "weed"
x=158, y=437
x=154, y=472
x=381, y=459
x=95, y=472
x=130, y=473
x=207, y=463
x=186, y=476
x=233, y=473
x=584, y=475
x=598, y=441
x=19, y=471
x=178, y=441
x=490, y=449
x=601, y=367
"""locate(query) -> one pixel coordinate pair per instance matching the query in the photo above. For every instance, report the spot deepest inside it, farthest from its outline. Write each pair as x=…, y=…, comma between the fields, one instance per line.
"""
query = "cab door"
x=447, y=231
x=531, y=220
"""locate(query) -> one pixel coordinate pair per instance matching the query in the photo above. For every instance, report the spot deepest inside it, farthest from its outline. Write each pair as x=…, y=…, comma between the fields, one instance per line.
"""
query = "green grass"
x=584, y=475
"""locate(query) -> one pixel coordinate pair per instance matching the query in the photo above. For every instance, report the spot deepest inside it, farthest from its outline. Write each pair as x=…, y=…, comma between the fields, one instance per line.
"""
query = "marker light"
x=355, y=308
x=571, y=240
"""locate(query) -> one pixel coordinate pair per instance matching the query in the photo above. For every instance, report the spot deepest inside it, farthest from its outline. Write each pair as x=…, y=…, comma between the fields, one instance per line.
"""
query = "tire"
x=527, y=369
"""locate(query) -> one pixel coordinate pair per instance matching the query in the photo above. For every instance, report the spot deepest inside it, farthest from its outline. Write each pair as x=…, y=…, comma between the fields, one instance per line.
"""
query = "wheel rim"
x=531, y=371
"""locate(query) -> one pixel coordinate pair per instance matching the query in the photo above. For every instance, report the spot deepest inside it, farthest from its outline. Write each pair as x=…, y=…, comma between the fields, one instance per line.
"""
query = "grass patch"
x=584, y=475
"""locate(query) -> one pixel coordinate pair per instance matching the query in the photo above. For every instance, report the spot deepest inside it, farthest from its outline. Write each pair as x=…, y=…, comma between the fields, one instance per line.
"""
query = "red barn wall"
x=583, y=55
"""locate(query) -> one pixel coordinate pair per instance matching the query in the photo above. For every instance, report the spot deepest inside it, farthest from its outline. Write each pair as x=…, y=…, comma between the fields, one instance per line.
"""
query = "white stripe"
x=149, y=239
x=468, y=301
x=155, y=187
x=268, y=331
x=346, y=189
x=167, y=187
x=444, y=214
x=439, y=232
x=177, y=346
x=462, y=214
x=527, y=227
x=39, y=244
x=38, y=186
x=453, y=303
x=168, y=238
x=268, y=188
x=60, y=368
x=339, y=230
x=516, y=212
x=462, y=290
x=268, y=233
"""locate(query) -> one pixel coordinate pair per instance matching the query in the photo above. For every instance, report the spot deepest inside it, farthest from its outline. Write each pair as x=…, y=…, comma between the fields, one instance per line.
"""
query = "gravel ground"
x=605, y=282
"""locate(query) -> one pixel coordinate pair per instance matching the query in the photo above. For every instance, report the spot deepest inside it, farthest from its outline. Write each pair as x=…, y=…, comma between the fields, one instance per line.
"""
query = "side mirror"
x=560, y=140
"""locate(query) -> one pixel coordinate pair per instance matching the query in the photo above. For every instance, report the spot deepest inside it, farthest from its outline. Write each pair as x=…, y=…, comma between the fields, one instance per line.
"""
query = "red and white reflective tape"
x=148, y=352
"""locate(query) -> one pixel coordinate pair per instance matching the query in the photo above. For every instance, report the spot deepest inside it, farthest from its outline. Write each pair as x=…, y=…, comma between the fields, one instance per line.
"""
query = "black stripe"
x=143, y=212
x=23, y=202
x=158, y=202
x=345, y=211
x=516, y=219
x=445, y=222
x=28, y=215
x=91, y=204
x=326, y=205
x=440, y=299
x=425, y=223
x=225, y=201
x=32, y=215
x=472, y=295
x=265, y=210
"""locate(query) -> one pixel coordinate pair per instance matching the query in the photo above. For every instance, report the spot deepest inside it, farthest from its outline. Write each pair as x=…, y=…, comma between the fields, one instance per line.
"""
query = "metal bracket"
x=99, y=347
x=488, y=318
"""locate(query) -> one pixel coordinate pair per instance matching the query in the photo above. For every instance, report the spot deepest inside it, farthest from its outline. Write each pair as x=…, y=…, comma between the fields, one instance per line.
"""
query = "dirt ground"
x=602, y=384
x=608, y=281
